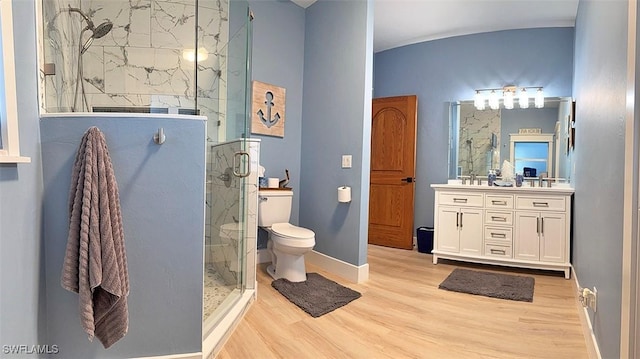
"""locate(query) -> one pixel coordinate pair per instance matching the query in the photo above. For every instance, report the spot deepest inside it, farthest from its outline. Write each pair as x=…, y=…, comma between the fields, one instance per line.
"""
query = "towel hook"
x=159, y=137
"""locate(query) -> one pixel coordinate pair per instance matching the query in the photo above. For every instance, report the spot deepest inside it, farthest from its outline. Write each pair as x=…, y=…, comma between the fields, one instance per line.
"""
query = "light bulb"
x=192, y=55
x=494, y=101
x=508, y=99
x=539, y=100
x=189, y=54
x=523, y=101
x=478, y=101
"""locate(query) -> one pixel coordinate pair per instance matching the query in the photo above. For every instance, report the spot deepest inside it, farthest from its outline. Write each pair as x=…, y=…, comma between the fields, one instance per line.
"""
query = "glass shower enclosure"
x=178, y=57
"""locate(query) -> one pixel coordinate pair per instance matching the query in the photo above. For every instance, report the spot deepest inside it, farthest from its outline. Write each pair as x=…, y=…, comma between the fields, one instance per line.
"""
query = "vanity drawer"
x=503, y=235
x=498, y=201
x=540, y=203
x=497, y=250
x=499, y=217
x=461, y=199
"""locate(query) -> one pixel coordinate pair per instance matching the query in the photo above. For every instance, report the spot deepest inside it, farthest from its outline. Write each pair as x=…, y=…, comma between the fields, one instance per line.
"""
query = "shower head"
x=96, y=32
x=102, y=29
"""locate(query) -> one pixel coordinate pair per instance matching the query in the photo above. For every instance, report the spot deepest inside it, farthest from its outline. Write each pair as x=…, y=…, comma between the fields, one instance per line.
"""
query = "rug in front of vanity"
x=317, y=295
x=490, y=284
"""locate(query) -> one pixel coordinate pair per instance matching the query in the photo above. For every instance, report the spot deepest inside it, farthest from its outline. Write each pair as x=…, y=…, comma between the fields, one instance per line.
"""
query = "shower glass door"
x=226, y=104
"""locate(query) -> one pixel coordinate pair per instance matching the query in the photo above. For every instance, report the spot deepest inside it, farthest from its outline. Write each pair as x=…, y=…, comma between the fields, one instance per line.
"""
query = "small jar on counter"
x=491, y=178
x=519, y=179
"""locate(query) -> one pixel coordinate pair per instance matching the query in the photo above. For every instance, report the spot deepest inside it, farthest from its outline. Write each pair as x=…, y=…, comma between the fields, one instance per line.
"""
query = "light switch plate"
x=346, y=161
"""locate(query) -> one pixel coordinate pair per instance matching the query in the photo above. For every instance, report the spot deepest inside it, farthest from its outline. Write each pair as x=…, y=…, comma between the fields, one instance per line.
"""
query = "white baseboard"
x=587, y=327
x=353, y=273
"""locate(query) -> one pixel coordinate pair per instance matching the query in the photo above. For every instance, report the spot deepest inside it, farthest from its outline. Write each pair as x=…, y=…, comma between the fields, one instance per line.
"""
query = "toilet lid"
x=291, y=231
x=230, y=227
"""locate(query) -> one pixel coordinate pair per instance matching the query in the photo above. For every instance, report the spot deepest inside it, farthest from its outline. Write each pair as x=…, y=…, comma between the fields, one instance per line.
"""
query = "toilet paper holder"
x=344, y=194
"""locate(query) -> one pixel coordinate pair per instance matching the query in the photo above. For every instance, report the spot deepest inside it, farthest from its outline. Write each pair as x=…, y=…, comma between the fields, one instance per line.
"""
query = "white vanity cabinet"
x=520, y=227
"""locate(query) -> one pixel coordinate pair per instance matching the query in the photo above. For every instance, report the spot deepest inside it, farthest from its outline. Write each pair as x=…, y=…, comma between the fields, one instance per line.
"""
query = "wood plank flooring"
x=403, y=314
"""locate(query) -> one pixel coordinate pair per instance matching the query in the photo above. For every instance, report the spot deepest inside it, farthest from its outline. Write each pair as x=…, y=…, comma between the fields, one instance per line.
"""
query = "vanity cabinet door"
x=448, y=236
x=541, y=236
x=527, y=239
x=553, y=237
x=471, y=231
x=459, y=230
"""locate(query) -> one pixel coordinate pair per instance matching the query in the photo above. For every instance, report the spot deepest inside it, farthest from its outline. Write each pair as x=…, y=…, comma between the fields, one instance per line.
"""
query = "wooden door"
x=393, y=158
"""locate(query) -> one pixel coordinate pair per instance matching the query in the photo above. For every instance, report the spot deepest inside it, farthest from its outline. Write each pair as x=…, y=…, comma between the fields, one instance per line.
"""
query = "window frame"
x=10, y=148
x=544, y=137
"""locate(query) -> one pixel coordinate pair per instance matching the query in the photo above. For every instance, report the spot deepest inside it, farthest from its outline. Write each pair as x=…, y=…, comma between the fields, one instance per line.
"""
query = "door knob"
x=408, y=179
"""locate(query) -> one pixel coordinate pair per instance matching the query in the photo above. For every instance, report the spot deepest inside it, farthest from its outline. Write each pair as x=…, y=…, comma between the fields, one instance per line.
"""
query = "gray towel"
x=95, y=263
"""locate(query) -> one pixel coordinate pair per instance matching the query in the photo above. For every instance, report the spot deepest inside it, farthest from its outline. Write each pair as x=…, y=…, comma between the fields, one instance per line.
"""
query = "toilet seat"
x=289, y=235
x=230, y=230
x=288, y=230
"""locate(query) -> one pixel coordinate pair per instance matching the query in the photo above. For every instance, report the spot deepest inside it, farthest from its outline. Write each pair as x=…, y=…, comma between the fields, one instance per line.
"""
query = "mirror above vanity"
x=536, y=141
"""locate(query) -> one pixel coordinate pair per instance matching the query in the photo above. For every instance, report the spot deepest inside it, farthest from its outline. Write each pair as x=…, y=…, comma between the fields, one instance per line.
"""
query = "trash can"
x=425, y=239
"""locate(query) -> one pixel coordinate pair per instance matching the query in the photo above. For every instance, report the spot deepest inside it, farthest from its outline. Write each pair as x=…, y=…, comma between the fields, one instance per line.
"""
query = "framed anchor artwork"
x=267, y=109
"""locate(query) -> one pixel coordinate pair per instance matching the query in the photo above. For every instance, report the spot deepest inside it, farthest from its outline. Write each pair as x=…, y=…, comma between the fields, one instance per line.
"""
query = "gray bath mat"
x=489, y=284
x=317, y=295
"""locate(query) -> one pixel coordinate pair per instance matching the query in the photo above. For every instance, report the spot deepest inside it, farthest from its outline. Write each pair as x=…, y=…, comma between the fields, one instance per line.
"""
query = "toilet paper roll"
x=273, y=182
x=344, y=194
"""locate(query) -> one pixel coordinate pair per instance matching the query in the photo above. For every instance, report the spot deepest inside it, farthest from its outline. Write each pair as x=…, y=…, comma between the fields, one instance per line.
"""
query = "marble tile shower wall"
x=140, y=62
x=224, y=201
x=474, y=146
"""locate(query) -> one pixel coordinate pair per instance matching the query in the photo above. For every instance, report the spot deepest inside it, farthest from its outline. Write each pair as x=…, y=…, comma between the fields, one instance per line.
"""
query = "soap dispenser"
x=491, y=177
x=519, y=179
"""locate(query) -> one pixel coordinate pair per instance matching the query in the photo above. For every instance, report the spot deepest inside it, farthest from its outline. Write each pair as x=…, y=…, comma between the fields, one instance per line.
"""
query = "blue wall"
x=600, y=94
x=22, y=290
x=162, y=199
x=278, y=59
x=336, y=120
x=446, y=70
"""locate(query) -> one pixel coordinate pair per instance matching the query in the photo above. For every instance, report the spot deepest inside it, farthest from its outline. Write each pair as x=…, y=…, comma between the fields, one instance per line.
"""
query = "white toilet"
x=229, y=235
x=287, y=243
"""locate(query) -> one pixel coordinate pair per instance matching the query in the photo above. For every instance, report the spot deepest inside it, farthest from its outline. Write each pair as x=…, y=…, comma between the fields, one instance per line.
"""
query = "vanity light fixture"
x=539, y=100
x=508, y=97
x=494, y=100
x=478, y=101
x=523, y=100
x=508, y=94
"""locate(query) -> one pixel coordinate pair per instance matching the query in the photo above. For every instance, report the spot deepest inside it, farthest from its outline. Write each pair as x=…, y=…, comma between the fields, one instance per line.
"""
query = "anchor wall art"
x=267, y=110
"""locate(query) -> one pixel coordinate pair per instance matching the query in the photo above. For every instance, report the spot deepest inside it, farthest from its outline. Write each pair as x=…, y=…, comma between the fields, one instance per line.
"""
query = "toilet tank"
x=274, y=206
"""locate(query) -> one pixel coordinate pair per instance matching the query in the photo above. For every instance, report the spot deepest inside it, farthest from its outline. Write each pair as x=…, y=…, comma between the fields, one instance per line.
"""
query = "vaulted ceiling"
x=403, y=22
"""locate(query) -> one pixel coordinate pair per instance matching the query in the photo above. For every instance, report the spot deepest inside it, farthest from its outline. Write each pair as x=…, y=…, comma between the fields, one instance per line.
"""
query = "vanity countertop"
x=524, y=189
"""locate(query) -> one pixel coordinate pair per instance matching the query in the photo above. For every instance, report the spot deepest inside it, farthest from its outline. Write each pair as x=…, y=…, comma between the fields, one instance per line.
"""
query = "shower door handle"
x=236, y=166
